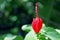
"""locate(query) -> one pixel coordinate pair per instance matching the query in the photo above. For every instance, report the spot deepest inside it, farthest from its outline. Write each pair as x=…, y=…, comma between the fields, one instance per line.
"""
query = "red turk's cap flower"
x=37, y=22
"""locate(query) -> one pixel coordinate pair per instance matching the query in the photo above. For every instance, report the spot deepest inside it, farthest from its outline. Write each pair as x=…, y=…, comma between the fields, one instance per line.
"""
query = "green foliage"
x=14, y=30
x=26, y=29
x=45, y=33
x=2, y=37
x=13, y=18
x=11, y=37
x=18, y=38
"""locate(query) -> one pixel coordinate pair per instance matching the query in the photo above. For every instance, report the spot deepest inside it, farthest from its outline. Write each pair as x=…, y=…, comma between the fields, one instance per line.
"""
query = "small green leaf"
x=14, y=30
x=9, y=37
x=13, y=18
x=6, y=14
x=26, y=28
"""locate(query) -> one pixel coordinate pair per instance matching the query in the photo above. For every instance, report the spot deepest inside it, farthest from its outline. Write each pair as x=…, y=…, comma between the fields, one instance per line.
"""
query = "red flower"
x=37, y=22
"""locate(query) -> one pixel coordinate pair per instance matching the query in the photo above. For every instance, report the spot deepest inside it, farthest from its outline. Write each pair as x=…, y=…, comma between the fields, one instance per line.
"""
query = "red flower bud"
x=37, y=22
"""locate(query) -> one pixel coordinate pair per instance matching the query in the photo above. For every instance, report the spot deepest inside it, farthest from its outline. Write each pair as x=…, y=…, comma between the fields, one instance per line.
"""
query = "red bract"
x=37, y=22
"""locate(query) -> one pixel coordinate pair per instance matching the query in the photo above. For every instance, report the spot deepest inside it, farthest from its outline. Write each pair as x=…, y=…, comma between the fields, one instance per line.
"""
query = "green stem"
x=38, y=36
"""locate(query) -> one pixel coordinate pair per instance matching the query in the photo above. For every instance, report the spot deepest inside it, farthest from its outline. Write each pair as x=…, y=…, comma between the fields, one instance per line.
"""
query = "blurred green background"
x=15, y=13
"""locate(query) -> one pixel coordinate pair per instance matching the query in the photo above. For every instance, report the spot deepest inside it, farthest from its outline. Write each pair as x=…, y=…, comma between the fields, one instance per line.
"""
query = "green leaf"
x=13, y=37
x=31, y=36
x=9, y=37
x=2, y=5
x=6, y=14
x=26, y=28
x=14, y=30
x=2, y=37
x=13, y=18
x=52, y=34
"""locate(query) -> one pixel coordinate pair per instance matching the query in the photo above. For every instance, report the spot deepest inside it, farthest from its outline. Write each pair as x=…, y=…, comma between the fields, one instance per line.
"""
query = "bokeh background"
x=16, y=13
